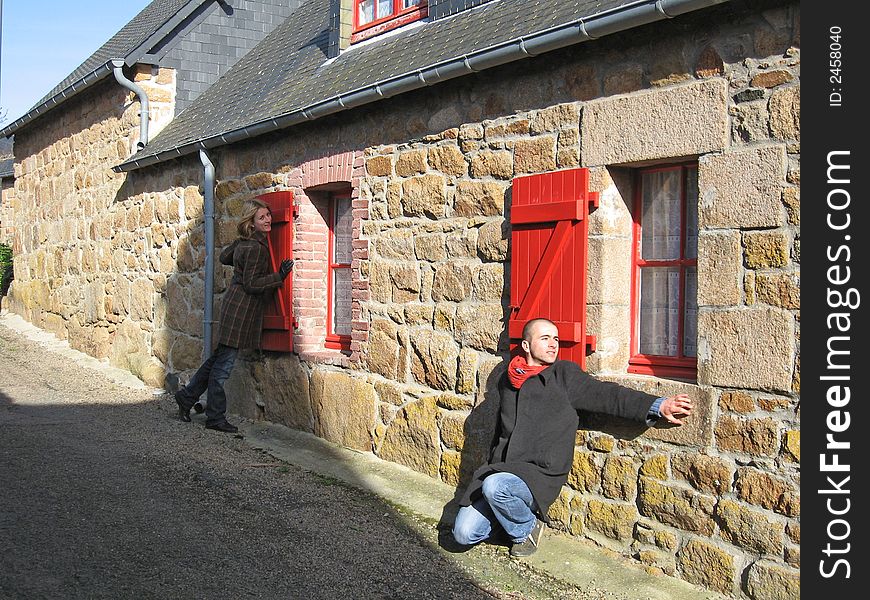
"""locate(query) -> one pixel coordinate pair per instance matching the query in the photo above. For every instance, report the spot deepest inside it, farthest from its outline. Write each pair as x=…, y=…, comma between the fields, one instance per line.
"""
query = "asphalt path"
x=104, y=493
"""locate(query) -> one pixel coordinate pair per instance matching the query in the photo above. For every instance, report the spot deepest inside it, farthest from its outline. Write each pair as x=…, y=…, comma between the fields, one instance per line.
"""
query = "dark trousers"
x=211, y=376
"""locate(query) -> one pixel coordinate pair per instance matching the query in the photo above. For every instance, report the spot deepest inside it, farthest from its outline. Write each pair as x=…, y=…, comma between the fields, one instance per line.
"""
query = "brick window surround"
x=664, y=272
x=313, y=183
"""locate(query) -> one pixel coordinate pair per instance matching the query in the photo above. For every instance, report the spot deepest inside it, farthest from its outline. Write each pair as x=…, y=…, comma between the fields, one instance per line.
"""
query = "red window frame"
x=334, y=340
x=400, y=16
x=677, y=366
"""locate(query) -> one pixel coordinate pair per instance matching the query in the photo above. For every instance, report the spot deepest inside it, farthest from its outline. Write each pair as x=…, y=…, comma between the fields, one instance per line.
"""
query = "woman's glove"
x=286, y=267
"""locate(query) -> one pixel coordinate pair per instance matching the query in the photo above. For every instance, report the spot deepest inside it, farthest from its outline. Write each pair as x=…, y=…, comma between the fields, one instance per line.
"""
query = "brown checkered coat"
x=252, y=286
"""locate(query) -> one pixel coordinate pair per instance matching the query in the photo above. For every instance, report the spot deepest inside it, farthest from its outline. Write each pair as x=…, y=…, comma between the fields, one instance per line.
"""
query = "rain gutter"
x=581, y=30
x=108, y=68
x=65, y=94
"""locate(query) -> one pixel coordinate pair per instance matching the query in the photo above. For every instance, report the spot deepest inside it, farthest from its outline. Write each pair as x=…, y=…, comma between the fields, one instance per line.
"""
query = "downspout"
x=118, y=69
x=208, y=210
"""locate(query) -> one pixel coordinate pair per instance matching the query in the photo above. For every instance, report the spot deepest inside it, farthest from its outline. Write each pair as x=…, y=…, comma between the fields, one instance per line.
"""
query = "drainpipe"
x=208, y=300
x=208, y=210
x=117, y=67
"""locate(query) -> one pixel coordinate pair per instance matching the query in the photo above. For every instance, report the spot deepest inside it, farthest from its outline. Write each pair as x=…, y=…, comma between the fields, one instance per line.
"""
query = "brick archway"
x=330, y=173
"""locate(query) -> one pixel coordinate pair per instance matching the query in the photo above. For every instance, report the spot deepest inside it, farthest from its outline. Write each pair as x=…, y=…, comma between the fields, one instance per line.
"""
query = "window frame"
x=399, y=16
x=334, y=340
x=680, y=366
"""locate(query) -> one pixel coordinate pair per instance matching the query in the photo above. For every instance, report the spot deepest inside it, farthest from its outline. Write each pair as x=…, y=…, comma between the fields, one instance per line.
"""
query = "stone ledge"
x=325, y=357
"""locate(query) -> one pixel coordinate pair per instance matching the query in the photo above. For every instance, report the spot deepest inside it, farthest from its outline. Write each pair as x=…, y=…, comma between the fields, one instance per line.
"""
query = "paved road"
x=105, y=494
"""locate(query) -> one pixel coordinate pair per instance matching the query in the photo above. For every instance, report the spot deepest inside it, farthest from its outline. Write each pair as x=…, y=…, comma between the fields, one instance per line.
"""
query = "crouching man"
x=541, y=398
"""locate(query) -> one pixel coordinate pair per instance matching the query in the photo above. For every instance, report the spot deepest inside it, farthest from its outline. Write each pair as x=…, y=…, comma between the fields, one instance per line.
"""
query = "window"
x=339, y=281
x=664, y=276
x=372, y=17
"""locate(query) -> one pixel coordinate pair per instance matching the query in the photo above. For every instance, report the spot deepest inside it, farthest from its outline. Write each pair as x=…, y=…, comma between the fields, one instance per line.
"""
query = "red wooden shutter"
x=548, y=257
x=278, y=322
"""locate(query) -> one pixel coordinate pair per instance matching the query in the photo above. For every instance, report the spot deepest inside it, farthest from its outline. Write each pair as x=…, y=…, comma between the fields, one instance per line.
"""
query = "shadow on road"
x=105, y=494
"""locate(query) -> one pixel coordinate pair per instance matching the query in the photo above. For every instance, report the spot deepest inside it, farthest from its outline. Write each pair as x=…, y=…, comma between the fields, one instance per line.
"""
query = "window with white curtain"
x=340, y=275
x=377, y=16
x=665, y=276
x=369, y=11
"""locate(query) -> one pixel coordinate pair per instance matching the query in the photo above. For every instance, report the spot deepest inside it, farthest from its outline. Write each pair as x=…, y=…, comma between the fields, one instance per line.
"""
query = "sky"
x=45, y=40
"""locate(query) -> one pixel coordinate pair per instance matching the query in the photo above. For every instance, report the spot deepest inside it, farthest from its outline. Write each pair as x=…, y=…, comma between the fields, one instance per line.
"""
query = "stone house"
x=7, y=229
x=442, y=172
x=7, y=193
x=7, y=190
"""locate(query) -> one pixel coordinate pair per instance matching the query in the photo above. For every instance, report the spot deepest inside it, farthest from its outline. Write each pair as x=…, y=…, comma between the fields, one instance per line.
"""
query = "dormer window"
x=372, y=17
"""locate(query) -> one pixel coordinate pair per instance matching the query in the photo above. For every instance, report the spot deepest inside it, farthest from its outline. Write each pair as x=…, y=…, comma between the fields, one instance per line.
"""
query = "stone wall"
x=716, y=502
x=437, y=274
x=89, y=258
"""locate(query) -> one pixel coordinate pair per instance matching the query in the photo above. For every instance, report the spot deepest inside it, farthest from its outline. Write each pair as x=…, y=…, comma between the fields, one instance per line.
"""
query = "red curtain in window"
x=278, y=320
x=548, y=257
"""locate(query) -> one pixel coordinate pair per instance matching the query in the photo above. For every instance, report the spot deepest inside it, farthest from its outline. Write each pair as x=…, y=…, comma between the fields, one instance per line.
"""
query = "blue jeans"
x=506, y=503
x=211, y=376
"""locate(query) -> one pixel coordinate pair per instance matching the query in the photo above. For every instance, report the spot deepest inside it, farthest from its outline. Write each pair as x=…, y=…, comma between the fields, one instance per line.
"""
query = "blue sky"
x=44, y=41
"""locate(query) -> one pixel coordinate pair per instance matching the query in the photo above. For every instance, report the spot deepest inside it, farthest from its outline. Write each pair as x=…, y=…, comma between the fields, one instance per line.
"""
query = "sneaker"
x=530, y=545
x=224, y=426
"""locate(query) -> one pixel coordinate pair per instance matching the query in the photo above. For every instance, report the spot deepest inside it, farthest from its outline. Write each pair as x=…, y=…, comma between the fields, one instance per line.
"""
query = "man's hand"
x=676, y=408
x=286, y=267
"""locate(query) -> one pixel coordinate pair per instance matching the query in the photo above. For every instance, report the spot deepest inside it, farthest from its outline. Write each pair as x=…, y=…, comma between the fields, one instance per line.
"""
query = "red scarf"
x=519, y=370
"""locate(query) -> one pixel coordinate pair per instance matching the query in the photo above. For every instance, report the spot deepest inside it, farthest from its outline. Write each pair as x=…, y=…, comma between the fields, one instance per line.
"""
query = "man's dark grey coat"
x=537, y=426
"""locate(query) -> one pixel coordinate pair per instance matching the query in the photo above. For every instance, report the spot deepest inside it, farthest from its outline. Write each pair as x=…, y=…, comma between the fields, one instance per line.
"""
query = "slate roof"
x=127, y=41
x=289, y=71
x=7, y=167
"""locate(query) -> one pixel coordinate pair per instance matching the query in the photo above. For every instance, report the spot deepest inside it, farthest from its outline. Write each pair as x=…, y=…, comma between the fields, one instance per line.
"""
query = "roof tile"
x=289, y=69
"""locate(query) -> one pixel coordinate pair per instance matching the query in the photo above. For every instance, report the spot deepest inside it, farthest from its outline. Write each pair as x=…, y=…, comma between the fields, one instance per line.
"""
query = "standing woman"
x=241, y=316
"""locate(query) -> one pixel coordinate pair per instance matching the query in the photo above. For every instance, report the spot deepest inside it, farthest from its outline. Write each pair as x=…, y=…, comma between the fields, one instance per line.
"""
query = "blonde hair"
x=246, y=223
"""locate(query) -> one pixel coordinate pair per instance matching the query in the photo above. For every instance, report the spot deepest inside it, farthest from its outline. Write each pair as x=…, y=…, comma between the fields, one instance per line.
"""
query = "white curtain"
x=660, y=287
x=342, y=249
x=366, y=11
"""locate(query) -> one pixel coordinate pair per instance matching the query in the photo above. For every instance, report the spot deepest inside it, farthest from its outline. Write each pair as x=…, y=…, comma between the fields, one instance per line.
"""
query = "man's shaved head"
x=529, y=327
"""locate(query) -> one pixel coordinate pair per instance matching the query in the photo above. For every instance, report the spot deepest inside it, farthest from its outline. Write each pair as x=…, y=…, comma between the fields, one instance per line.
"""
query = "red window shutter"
x=549, y=231
x=278, y=322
